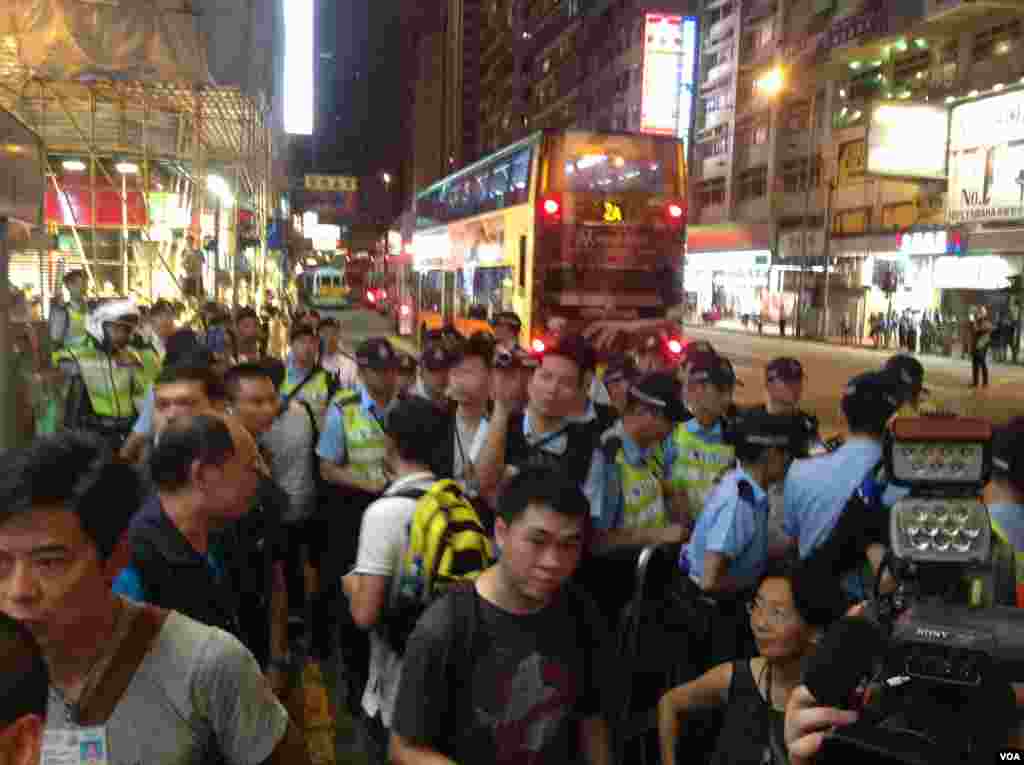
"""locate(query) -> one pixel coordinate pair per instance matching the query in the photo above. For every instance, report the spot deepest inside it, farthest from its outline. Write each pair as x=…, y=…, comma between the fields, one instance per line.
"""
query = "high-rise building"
x=786, y=173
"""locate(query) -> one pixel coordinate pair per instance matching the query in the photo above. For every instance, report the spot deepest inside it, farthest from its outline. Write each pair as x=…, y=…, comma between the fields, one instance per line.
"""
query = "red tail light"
x=370, y=296
x=675, y=347
x=675, y=212
x=383, y=294
x=551, y=208
x=405, y=310
x=538, y=346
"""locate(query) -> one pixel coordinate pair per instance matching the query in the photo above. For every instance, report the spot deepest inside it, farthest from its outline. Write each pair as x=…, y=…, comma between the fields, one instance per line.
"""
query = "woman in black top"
x=788, y=615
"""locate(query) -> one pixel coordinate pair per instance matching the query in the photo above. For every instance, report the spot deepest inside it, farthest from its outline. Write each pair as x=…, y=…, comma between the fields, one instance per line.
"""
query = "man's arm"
x=490, y=466
x=366, y=597
x=343, y=475
x=332, y=451
x=608, y=540
x=291, y=750
x=595, y=741
x=402, y=752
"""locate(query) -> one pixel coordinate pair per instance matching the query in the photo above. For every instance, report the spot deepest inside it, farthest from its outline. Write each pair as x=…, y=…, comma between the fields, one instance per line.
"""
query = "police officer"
x=352, y=444
x=506, y=326
x=619, y=375
x=107, y=376
x=436, y=364
x=635, y=511
x=68, y=320
x=1005, y=496
x=817, y=490
x=696, y=450
x=728, y=551
x=305, y=380
x=910, y=373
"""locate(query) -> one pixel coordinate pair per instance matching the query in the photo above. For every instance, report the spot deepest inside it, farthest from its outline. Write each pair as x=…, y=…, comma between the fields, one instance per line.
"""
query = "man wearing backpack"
x=510, y=670
x=414, y=427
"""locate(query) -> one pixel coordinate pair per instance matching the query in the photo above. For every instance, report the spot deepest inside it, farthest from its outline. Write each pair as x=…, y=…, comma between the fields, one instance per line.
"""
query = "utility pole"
x=811, y=145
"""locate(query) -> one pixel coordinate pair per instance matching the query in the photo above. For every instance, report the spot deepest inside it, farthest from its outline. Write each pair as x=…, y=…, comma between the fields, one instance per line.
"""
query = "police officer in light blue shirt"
x=817, y=490
x=728, y=551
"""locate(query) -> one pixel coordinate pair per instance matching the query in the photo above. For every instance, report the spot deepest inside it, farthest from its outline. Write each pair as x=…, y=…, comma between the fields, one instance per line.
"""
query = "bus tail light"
x=383, y=294
x=538, y=345
x=675, y=347
x=551, y=208
x=370, y=296
x=675, y=212
x=405, y=310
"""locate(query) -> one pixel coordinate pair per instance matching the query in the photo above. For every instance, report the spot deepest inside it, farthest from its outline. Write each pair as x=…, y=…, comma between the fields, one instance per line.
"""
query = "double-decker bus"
x=324, y=287
x=568, y=225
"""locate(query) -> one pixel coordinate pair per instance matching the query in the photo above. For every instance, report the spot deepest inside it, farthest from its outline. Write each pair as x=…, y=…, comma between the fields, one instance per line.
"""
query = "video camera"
x=943, y=647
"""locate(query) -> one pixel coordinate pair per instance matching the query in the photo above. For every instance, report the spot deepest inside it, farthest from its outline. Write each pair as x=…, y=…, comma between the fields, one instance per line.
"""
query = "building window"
x=710, y=193
x=717, y=143
x=752, y=184
x=851, y=221
x=794, y=174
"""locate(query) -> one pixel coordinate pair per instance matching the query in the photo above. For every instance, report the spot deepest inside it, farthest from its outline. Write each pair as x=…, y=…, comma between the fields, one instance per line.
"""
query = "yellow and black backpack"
x=448, y=546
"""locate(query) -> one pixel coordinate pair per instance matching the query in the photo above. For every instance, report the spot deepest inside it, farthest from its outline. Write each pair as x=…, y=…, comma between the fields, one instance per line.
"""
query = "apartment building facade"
x=780, y=176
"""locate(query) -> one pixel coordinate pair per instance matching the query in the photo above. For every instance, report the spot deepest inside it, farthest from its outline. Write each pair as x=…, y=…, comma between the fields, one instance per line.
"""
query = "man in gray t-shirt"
x=142, y=685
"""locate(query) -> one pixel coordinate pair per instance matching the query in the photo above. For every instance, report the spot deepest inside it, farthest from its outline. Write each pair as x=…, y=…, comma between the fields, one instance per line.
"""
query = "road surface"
x=828, y=368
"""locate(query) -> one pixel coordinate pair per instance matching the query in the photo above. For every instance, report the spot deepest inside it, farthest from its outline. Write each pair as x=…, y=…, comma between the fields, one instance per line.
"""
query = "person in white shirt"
x=470, y=389
x=413, y=427
x=333, y=359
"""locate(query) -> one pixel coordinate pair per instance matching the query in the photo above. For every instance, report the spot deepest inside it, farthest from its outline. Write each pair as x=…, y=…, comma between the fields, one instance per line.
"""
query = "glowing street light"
x=771, y=83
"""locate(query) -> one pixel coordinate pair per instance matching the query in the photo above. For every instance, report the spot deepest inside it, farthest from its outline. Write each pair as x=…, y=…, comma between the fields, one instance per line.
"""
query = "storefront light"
x=127, y=168
x=220, y=188
x=73, y=165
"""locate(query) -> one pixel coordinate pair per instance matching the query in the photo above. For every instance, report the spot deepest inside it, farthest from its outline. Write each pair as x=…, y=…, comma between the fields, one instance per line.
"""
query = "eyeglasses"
x=775, y=615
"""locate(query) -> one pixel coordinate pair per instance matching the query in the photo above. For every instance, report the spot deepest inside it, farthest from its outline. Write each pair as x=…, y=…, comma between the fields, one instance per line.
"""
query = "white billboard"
x=298, y=66
x=986, y=160
x=670, y=56
x=908, y=141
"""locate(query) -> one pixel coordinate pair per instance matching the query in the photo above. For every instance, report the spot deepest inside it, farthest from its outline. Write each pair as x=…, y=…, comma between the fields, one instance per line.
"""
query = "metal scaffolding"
x=192, y=127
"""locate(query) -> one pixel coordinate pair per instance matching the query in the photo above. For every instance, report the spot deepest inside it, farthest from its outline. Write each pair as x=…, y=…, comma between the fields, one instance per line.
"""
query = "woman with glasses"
x=789, y=613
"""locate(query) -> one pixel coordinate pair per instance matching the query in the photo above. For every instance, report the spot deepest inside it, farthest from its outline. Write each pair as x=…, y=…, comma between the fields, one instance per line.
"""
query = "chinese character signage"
x=670, y=54
x=331, y=183
x=986, y=160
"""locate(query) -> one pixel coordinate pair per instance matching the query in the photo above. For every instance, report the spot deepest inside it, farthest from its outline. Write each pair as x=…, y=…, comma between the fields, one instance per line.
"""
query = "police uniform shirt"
x=332, y=444
x=594, y=485
x=817, y=489
x=734, y=523
x=612, y=514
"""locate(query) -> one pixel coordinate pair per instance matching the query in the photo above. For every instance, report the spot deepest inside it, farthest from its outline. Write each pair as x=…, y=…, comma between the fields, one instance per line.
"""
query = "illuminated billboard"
x=986, y=160
x=298, y=66
x=908, y=141
x=670, y=61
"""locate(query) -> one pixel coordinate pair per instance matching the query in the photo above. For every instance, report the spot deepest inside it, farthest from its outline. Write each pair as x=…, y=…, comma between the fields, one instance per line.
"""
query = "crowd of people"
x=459, y=531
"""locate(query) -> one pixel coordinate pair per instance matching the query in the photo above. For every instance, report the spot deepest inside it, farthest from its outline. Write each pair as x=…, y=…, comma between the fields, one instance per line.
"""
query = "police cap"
x=873, y=395
x=439, y=356
x=377, y=353
x=756, y=427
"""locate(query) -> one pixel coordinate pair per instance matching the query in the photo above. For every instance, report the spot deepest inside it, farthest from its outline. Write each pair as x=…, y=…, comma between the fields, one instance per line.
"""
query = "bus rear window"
x=583, y=161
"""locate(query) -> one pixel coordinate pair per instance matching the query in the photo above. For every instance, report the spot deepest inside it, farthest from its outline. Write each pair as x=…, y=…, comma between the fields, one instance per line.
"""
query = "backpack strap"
x=144, y=630
x=352, y=398
x=298, y=388
x=414, y=494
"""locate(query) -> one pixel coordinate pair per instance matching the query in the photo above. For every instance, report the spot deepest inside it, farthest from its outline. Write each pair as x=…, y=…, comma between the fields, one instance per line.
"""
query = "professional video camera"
x=941, y=647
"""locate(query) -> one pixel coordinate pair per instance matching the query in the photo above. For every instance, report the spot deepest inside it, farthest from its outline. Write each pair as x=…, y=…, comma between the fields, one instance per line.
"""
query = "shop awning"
x=730, y=237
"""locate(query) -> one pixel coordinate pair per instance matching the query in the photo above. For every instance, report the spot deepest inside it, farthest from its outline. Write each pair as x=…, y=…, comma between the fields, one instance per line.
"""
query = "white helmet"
x=111, y=311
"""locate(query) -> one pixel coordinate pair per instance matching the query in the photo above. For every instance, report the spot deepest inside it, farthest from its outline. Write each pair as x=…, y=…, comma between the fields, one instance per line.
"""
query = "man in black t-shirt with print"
x=509, y=671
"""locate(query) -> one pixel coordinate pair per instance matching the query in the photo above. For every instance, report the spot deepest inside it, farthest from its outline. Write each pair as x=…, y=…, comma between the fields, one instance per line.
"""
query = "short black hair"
x=76, y=471
x=480, y=345
x=182, y=343
x=276, y=369
x=251, y=370
x=188, y=371
x=865, y=421
x=416, y=427
x=817, y=597
x=541, y=485
x=202, y=439
x=24, y=678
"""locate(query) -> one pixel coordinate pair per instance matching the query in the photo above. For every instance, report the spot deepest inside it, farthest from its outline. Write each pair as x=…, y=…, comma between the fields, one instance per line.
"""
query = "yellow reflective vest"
x=317, y=392
x=365, y=443
x=112, y=382
x=643, y=496
x=696, y=466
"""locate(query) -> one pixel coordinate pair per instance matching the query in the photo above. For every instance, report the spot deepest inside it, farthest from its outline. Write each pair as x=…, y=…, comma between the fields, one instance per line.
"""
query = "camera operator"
x=1005, y=495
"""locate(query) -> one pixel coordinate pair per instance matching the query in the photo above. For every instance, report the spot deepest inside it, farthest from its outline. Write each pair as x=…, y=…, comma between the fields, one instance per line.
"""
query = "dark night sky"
x=360, y=89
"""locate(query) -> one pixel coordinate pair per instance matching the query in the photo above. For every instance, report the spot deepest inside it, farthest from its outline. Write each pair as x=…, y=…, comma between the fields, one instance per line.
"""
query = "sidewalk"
x=771, y=331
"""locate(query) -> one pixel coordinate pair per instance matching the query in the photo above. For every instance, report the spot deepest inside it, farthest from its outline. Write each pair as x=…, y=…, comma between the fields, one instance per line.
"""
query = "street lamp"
x=772, y=82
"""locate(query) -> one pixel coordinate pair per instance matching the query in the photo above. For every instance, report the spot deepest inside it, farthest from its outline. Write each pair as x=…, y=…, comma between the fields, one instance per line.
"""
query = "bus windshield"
x=610, y=163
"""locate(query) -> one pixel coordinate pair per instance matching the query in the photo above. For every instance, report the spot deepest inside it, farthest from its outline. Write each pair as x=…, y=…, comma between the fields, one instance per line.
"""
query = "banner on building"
x=331, y=183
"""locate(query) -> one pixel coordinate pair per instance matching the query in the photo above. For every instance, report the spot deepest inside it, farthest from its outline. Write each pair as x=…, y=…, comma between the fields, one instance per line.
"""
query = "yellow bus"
x=325, y=287
x=573, y=225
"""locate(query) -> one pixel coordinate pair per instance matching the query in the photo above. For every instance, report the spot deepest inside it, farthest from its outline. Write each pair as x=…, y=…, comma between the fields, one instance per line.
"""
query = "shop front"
x=727, y=267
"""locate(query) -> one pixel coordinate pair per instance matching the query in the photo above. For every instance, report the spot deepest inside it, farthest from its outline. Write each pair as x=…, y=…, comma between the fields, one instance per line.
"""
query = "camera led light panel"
x=940, y=530
x=938, y=462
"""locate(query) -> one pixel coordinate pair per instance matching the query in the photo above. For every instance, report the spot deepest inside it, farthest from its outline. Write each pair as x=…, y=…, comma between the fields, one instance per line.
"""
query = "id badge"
x=82, y=746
